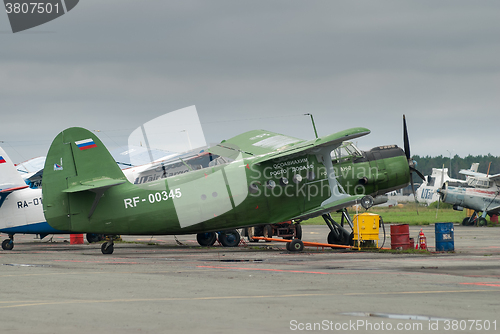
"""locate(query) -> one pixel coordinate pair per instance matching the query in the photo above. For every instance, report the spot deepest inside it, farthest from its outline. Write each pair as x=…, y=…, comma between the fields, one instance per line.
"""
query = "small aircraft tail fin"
x=10, y=179
x=77, y=163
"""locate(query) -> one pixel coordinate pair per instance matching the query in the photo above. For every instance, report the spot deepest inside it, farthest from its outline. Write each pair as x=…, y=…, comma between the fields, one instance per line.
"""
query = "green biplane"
x=258, y=177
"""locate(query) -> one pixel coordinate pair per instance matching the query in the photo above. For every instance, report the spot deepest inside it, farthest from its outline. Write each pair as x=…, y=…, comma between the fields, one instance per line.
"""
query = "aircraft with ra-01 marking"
x=84, y=189
x=480, y=193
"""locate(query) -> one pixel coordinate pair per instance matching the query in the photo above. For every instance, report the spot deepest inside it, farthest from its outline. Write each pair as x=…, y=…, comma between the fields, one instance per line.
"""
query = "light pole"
x=450, y=161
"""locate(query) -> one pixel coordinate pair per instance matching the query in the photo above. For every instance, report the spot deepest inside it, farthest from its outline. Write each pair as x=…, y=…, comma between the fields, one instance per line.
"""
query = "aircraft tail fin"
x=77, y=165
x=10, y=179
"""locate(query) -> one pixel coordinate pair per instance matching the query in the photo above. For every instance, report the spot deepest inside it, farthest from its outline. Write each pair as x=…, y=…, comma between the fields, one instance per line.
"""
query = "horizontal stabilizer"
x=94, y=185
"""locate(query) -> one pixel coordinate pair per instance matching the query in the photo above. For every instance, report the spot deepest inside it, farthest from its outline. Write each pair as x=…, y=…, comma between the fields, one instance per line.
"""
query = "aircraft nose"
x=442, y=192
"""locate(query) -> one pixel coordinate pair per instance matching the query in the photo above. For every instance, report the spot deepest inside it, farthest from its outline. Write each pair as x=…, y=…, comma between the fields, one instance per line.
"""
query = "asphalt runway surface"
x=157, y=285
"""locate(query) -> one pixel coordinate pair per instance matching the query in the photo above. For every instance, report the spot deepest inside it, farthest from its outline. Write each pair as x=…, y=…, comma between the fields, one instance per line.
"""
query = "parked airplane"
x=260, y=177
x=427, y=192
x=20, y=206
x=481, y=194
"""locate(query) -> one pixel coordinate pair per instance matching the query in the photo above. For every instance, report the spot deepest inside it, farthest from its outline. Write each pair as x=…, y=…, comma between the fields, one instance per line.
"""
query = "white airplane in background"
x=21, y=208
x=427, y=192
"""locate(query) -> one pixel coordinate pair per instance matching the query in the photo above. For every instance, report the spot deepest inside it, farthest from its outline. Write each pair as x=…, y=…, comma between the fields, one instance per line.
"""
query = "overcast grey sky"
x=113, y=65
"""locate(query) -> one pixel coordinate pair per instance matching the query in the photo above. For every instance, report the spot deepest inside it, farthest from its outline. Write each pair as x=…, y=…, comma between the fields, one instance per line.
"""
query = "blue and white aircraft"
x=20, y=206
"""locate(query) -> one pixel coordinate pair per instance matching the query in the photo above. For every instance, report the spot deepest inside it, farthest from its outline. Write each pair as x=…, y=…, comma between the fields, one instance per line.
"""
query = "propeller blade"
x=406, y=141
x=414, y=194
x=413, y=169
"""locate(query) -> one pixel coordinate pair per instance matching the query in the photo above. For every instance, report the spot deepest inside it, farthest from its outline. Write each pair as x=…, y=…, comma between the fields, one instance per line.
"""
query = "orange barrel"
x=400, y=236
x=76, y=239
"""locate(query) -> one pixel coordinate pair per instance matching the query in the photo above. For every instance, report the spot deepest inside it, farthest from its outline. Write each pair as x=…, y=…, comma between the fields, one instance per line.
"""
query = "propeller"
x=411, y=162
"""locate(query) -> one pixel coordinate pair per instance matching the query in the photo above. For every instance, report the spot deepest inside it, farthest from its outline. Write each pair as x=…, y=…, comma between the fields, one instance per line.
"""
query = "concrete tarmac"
x=155, y=285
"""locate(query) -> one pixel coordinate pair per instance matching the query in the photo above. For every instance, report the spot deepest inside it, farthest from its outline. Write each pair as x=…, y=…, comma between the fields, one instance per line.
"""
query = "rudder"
x=77, y=162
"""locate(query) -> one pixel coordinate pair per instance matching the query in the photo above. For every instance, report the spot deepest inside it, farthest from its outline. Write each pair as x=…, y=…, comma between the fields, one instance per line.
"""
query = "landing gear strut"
x=8, y=244
x=338, y=234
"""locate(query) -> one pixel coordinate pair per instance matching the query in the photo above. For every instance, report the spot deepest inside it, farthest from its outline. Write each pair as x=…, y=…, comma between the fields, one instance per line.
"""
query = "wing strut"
x=336, y=190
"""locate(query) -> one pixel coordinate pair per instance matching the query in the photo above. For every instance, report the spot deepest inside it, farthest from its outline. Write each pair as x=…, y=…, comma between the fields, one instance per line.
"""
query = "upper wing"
x=269, y=145
x=495, y=178
x=315, y=145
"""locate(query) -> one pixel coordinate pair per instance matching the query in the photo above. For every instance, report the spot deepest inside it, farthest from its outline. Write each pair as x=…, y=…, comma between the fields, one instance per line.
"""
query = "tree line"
x=425, y=164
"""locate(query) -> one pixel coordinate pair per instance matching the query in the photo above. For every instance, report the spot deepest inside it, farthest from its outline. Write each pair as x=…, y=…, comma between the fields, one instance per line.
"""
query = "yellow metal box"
x=366, y=225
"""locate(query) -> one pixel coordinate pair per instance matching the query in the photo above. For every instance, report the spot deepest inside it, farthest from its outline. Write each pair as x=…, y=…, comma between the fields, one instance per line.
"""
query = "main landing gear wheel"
x=340, y=240
x=295, y=245
x=333, y=238
x=107, y=247
x=7, y=244
x=229, y=238
x=482, y=222
x=465, y=222
x=206, y=239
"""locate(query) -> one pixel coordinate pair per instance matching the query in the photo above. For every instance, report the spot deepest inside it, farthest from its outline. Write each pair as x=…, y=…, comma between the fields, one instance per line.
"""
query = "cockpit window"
x=479, y=183
x=346, y=151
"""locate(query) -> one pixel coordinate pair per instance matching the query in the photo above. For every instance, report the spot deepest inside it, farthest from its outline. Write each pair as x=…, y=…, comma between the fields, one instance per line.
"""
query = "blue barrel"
x=445, y=239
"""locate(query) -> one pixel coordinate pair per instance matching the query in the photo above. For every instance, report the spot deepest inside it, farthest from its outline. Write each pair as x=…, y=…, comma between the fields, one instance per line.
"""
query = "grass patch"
x=404, y=215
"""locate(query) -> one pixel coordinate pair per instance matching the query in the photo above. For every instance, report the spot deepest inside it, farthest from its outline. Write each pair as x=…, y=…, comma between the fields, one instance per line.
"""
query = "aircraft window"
x=431, y=181
x=346, y=151
x=479, y=183
x=219, y=161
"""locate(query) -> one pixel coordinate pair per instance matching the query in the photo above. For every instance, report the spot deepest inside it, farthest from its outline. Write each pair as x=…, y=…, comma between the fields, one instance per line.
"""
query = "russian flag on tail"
x=85, y=144
x=2, y=160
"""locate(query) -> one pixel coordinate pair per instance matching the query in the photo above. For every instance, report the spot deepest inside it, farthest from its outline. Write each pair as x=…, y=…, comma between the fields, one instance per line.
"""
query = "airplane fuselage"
x=225, y=197
x=21, y=212
x=473, y=198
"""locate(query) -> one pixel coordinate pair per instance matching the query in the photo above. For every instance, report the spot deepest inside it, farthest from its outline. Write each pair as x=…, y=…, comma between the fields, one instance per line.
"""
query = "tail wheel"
x=229, y=238
x=107, y=248
x=206, y=239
